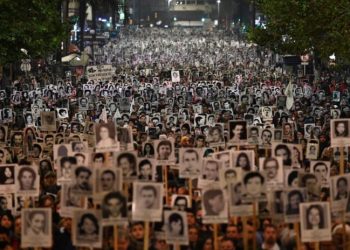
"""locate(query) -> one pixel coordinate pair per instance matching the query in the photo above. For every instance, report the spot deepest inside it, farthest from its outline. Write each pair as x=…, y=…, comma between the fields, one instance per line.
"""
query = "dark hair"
x=230, y=171
x=320, y=211
x=175, y=217
x=90, y=217
x=178, y=198
x=251, y=175
x=31, y=214
x=69, y=159
x=191, y=151
x=291, y=210
x=306, y=177
x=336, y=123
x=266, y=160
x=81, y=169
x=164, y=143
x=144, y=162
x=115, y=195
x=240, y=155
x=292, y=176
x=151, y=150
x=320, y=164
x=149, y=187
x=131, y=159
x=108, y=171
x=209, y=195
x=99, y=155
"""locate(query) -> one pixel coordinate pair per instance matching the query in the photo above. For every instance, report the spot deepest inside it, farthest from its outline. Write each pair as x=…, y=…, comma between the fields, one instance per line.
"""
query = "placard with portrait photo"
x=210, y=171
x=216, y=136
x=229, y=175
x=312, y=151
x=48, y=121
x=236, y=205
x=315, y=222
x=124, y=138
x=254, y=186
x=107, y=179
x=7, y=178
x=176, y=228
x=292, y=199
x=237, y=131
x=340, y=192
x=340, y=132
x=165, y=151
x=127, y=162
x=145, y=169
x=28, y=181
x=321, y=169
x=82, y=181
x=114, y=208
x=180, y=202
x=147, y=201
x=244, y=159
x=36, y=227
x=106, y=137
x=87, y=228
x=282, y=150
x=190, y=161
x=272, y=167
x=214, y=204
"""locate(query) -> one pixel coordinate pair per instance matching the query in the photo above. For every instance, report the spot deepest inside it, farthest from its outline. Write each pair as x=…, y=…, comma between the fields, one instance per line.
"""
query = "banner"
x=100, y=72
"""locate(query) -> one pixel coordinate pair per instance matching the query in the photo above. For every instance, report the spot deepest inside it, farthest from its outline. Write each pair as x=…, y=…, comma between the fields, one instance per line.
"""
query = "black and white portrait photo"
x=145, y=169
x=27, y=180
x=238, y=131
x=340, y=192
x=180, y=202
x=243, y=159
x=65, y=168
x=293, y=197
x=273, y=170
x=214, y=205
x=321, y=169
x=114, y=208
x=107, y=180
x=315, y=221
x=106, y=137
x=87, y=230
x=127, y=162
x=176, y=227
x=210, y=169
x=190, y=160
x=48, y=121
x=254, y=186
x=312, y=151
x=7, y=178
x=147, y=201
x=62, y=113
x=36, y=227
x=82, y=181
x=165, y=151
x=340, y=132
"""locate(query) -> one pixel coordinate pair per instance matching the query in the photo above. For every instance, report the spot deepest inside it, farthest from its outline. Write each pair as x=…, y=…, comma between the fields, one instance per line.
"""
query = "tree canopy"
x=301, y=26
x=34, y=25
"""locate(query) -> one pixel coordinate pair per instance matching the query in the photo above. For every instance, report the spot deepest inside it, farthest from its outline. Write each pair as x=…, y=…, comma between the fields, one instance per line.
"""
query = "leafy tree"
x=301, y=26
x=34, y=25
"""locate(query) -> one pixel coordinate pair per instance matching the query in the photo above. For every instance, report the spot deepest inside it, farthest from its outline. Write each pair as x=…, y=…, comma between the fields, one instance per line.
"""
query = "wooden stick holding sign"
x=215, y=236
x=146, y=236
x=254, y=224
x=190, y=191
x=297, y=234
x=245, y=233
x=317, y=245
x=115, y=232
x=165, y=177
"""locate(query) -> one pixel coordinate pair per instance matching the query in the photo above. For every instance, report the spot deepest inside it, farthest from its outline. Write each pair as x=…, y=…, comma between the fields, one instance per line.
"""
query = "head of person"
x=190, y=158
x=82, y=175
x=254, y=132
x=270, y=235
x=104, y=132
x=293, y=180
x=148, y=149
x=211, y=170
x=230, y=175
x=36, y=221
x=315, y=218
x=145, y=168
x=253, y=182
x=243, y=161
x=266, y=136
x=114, y=205
x=271, y=167
x=180, y=203
x=164, y=149
x=342, y=185
x=227, y=244
x=321, y=171
x=341, y=128
x=127, y=162
x=88, y=225
x=66, y=166
x=295, y=197
x=283, y=151
x=3, y=203
x=232, y=232
x=176, y=224
x=148, y=196
x=26, y=178
x=108, y=179
x=214, y=202
x=237, y=130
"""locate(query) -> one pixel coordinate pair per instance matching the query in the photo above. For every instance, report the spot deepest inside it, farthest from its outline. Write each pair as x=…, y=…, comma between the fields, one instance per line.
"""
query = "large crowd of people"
x=198, y=141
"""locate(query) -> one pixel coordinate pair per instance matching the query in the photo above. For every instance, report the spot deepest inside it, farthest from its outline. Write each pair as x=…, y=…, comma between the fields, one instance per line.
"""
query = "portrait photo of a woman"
x=26, y=178
x=176, y=227
x=105, y=135
x=88, y=228
x=315, y=217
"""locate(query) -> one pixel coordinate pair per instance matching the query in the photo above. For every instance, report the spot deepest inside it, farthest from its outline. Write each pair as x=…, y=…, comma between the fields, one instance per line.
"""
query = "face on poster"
x=321, y=169
x=243, y=159
x=106, y=137
x=36, y=229
x=176, y=227
x=273, y=170
x=215, y=205
x=190, y=162
x=28, y=180
x=114, y=208
x=165, y=151
x=254, y=186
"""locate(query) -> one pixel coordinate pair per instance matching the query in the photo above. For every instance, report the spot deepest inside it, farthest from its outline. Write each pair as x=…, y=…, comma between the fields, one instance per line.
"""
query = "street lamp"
x=218, y=1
